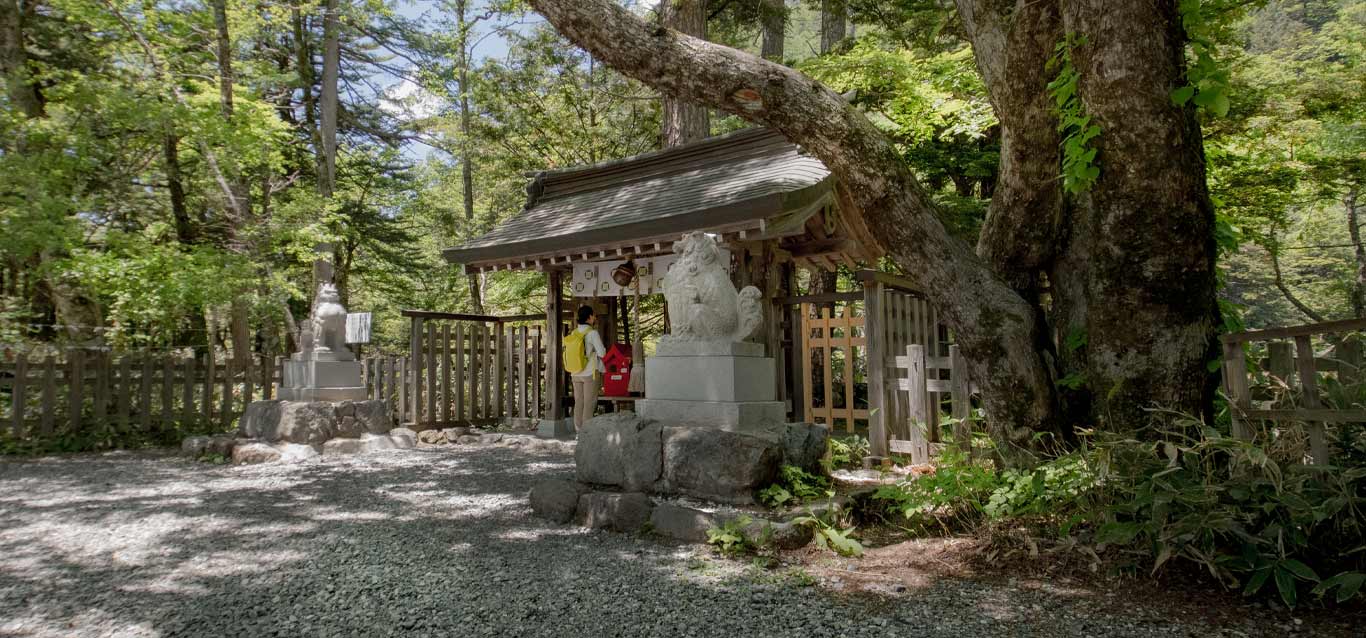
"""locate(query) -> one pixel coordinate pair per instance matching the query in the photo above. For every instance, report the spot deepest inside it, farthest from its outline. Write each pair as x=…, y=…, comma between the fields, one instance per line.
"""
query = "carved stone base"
x=725, y=415
x=710, y=378
x=322, y=381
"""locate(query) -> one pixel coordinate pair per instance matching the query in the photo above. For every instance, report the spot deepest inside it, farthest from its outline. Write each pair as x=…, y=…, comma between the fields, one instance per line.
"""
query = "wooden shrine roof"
x=752, y=182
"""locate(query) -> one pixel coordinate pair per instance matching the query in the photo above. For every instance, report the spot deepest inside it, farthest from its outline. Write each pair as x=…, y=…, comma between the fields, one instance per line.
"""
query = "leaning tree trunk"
x=684, y=121
x=995, y=326
x=1358, y=294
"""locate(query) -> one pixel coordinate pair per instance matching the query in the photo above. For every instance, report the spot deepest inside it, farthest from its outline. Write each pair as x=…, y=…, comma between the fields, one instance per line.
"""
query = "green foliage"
x=846, y=452
x=1079, y=167
x=795, y=485
x=730, y=537
x=831, y=536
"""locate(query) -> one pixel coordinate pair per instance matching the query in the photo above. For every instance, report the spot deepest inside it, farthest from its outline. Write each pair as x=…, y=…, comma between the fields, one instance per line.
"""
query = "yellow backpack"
x=575, y=355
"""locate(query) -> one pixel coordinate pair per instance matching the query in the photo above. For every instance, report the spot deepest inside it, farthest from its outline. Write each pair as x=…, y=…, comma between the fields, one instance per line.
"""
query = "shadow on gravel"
x=421, y=542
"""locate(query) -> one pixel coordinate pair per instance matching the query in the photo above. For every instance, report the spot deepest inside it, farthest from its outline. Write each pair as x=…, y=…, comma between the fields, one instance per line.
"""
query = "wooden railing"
x=43, y=396
x=1271, y=395
x=929, y=382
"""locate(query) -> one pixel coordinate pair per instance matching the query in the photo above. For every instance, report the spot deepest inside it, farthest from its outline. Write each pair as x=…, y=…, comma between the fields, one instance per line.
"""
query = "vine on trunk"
x=1079, y=167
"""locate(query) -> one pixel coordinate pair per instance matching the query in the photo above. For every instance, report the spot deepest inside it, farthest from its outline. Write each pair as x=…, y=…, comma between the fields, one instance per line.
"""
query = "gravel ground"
x=435, y=541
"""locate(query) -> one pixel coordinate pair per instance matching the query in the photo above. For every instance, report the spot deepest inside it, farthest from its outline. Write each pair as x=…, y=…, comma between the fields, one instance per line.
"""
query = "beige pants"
x=585, y=399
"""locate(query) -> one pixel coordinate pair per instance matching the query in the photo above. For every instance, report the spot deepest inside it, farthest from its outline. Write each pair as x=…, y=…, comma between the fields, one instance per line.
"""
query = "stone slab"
x=356, y=393
x=682, y=523
x=730, y=416
x=710, y=378
x=321, y=374
x=683, y=348
x=619, y=449
x=621, y=512
x=556, y=500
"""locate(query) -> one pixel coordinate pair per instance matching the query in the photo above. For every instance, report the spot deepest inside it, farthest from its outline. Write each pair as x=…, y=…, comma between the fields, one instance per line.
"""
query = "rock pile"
x=294, y=431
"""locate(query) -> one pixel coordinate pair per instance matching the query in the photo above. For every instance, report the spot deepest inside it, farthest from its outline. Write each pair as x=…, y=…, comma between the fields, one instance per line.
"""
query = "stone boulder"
x=804, y=445
x=313, y=422
x=556, y=500
x=621, y=512
x=403, y=438
x=619, y=449
x=432, y=437
x=254, y=452
x=682, y=523
x=716, y=464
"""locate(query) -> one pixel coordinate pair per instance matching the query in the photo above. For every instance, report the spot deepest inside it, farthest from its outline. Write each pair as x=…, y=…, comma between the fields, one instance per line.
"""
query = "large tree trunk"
x=184, y=226
x=466, y=159
x=834, y=14
x=303, y=61
x=775, y=30
x=22, y=91
x=684, y=121
x=996, y=327
x=1141, y=243
x=327, y=160
x=239, y=206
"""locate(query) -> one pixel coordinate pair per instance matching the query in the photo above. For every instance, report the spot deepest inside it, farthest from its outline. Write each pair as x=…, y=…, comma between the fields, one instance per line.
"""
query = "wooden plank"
x=489, y=409
x=849, y=358
x=415, y=372
x=1304, y=364
x=472, y=354
x=101, y=399
x=1329, y=327
x=961, y=399
x=446, y=373
x=187, y=411
x=524, y=358
x=1348, y=354
x=431, y=374
x=145, y=393
x=403, y=389
x=808, y=400
x=460, y=372
x=75, y=389
x=1235, y=384
x=123, y=393
x=210, y=368
x=19, y=396
x=918, y=409
x=536, y=405
x=229, y=401
x=829, y=378
x=554, y=366
x=1282, y=361
x=499, y=362
x=49, y=393
x=1305, y=414
x=167, y=395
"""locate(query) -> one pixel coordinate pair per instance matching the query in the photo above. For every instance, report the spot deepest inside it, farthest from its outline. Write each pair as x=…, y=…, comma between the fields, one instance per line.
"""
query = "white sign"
x=358, y=327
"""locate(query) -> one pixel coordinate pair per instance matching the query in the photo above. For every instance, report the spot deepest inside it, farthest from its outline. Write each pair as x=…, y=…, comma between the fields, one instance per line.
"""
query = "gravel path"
x=418, y=542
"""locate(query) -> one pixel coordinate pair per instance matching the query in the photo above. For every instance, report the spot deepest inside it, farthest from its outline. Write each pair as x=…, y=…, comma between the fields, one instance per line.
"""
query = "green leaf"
x=1255, y=583
x=1300, y=570
x=1182, y=95
x=1285, y=584
x=1220, y=106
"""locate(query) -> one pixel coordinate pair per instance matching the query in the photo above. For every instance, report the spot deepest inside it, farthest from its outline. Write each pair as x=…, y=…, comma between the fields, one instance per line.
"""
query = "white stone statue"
x=703, y=303
x=329, y=321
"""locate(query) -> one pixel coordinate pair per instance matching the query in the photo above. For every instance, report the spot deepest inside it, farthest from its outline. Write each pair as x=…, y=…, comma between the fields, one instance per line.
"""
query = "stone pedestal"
x=711, y=384
x=324, y=377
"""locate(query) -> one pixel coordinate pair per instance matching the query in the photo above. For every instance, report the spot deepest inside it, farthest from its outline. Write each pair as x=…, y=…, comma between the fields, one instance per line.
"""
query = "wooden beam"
x=1329, y=327
x=896, y=282
x=823, y=247
x=554, y=369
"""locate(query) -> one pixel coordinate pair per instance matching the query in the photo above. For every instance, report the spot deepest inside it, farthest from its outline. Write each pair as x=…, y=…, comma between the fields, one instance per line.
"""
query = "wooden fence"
x=463, y=369
x=84, y=388
x=1290, y=385
x=930, y=382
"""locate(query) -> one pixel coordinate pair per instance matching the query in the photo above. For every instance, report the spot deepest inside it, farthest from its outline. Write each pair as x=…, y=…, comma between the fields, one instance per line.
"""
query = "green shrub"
x=795, y=485
x=730, y=537
x=847, y=452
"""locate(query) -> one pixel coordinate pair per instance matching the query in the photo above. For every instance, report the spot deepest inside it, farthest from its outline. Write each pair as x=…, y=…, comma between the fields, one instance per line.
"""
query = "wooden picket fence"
x=41, y=396
x=463, y=369
x=930, y=382
x=1289, y=385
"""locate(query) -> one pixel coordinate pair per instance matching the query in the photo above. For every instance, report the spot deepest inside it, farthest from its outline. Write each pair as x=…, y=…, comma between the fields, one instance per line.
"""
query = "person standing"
x=586, y=380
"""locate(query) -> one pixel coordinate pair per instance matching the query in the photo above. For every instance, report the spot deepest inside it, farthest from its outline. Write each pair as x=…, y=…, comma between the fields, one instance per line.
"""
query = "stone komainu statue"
x=703, y=303
x=329, y=321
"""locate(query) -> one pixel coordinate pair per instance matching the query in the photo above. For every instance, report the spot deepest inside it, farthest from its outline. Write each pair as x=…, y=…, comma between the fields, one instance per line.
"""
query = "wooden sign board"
x=358, y=327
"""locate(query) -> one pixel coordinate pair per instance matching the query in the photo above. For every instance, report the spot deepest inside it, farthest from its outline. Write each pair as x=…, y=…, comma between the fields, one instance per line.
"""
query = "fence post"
x=1349, y=361
x=20, y=401
x=167, y=396
x=210, y=366
x=1304, y=362
x=1235, y=382
x=430, y=416
x=460, y=359
x=877, y=362
x=102, y=372
x=500, y=357
x=919, y=411
x=446, y=373
x=415, y=369
x=961, y=397
x=49, y=392
x=75, y=371
x=403, y=388
x=553, y=365
x=187, y=391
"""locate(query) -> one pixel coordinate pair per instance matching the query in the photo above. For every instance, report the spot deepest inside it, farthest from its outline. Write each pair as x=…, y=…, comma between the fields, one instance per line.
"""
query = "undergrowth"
x=1253, y=516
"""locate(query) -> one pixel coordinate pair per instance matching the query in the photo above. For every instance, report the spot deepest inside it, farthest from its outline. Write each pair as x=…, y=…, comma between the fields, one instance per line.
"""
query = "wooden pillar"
x=554, y=365
x=795, y=367
x=413, y=409
x=877, y=365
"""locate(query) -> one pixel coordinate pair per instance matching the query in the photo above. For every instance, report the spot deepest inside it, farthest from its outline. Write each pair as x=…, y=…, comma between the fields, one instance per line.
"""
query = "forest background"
x=167, y=168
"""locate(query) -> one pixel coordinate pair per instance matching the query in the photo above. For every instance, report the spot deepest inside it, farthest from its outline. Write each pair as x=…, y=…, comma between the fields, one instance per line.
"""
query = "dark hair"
x=584, y=313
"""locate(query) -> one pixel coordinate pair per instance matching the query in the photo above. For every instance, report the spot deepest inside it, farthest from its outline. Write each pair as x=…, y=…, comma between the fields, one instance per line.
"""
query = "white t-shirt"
x=592, y=346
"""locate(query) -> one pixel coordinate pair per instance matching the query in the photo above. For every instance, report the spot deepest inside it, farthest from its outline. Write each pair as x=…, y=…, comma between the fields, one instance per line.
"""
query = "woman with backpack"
x=583, y=353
